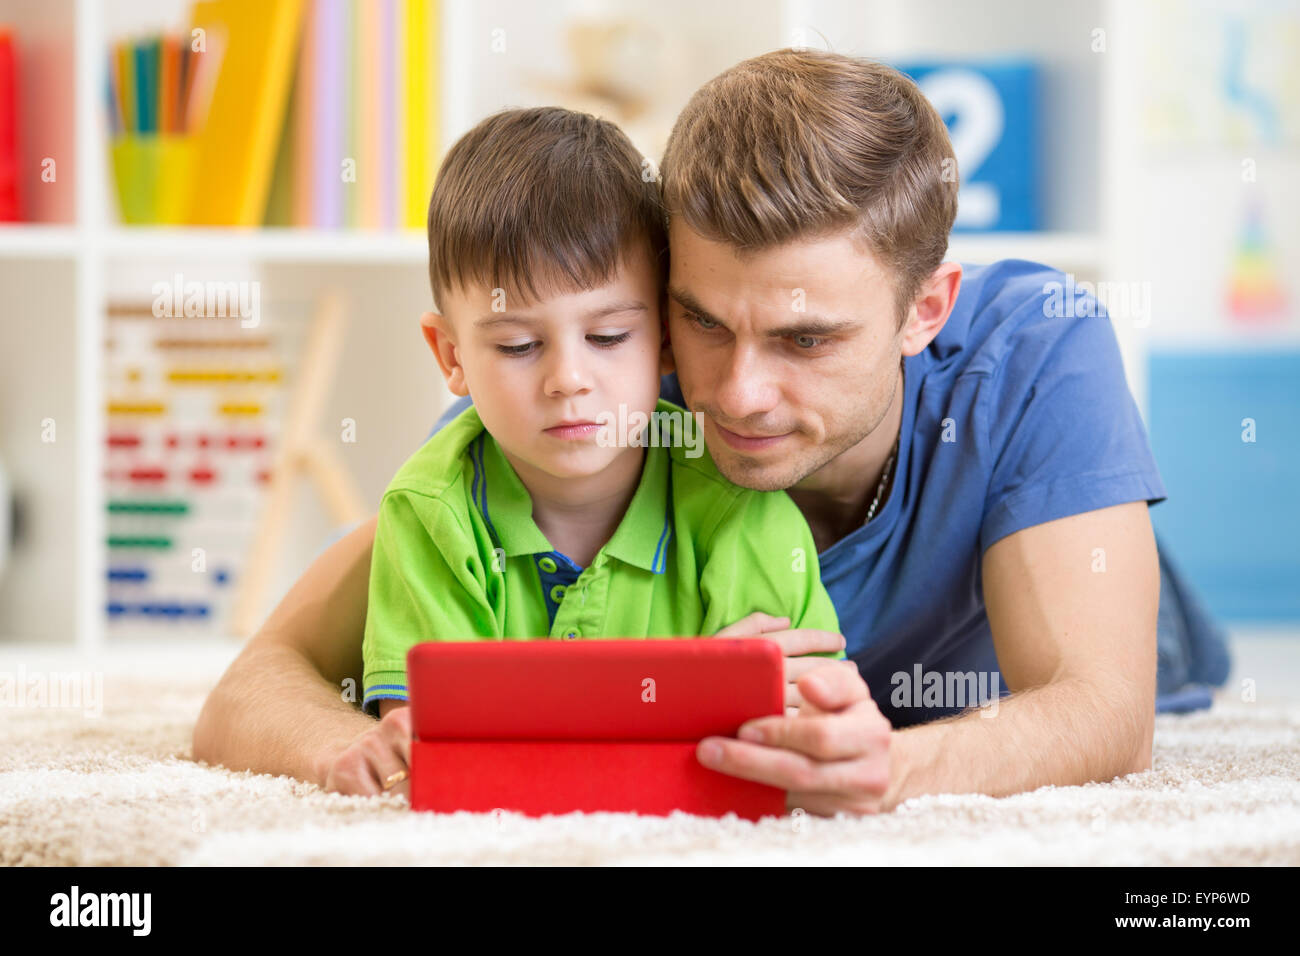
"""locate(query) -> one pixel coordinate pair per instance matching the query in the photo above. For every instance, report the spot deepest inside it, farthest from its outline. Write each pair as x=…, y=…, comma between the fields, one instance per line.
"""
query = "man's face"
x=790, y=354
x=542, y=372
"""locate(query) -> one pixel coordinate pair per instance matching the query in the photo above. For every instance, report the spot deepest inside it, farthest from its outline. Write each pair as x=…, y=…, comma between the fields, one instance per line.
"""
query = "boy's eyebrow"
x=613, y=308
x=487, y=321
x=808, y=325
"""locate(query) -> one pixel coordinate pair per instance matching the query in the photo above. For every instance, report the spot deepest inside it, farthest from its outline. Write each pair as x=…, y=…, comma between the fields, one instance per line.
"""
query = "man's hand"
x=363, y=765
x=794, y=644
x=832, y=756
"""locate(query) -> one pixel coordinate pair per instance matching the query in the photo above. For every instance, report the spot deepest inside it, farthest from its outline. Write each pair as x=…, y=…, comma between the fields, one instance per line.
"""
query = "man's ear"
x=437, y=332
x=666, y=361
x=931, y=308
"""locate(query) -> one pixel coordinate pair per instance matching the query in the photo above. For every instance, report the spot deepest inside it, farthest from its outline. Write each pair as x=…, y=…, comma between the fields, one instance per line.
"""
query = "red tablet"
x=595, y=725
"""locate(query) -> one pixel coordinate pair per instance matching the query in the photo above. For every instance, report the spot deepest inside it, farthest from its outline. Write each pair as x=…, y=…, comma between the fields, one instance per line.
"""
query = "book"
x=420, y=123
x=239, y=129
x=10, y=207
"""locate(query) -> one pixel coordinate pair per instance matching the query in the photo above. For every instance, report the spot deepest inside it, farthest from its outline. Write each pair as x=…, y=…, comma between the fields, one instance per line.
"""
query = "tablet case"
x=548, y=726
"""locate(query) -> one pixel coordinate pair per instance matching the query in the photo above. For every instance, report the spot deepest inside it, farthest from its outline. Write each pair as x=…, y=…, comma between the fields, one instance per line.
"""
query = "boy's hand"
x=374, y=756
x=794, y=644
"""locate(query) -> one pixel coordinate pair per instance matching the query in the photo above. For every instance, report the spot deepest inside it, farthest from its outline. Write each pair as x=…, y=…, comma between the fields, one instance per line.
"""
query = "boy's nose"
x=566, y=376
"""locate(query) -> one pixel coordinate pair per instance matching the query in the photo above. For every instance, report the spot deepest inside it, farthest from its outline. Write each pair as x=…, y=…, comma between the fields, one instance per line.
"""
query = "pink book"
x=366, y=113
x=387, y=112
x=304, y=121
x=329, y=101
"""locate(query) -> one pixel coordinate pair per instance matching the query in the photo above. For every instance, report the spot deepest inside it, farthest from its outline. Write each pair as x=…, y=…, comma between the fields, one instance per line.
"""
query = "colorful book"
x=243, y=122
x=302, y=119
x=10, y=206
x=352, y=120
x=420, y=123
x=331, y=114
x=366, y=113
x=386, y=109
x=280, y=199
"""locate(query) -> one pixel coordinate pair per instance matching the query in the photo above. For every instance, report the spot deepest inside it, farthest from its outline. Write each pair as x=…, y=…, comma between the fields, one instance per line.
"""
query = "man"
x=971, y=463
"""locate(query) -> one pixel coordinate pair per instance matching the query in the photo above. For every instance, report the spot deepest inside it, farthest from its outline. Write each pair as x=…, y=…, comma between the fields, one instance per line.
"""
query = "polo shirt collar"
x=641, y=538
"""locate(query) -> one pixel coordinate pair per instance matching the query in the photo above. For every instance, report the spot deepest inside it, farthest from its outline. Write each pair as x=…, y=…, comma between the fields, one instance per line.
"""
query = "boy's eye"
x=516, y=349
x=609, y=341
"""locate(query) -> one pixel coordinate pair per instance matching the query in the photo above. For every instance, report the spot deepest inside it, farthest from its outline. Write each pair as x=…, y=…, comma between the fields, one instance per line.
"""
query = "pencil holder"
x=154, y=174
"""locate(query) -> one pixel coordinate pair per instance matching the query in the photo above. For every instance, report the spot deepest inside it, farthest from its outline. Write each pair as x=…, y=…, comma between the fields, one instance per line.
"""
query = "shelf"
x=25, y=241
x=1239, y=339
x=271, y=244
x=1062, y=250
x=34, y=241
x=72, y=265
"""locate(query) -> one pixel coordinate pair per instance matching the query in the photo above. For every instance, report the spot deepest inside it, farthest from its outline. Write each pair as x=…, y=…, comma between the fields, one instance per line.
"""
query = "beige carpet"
x=122, y=789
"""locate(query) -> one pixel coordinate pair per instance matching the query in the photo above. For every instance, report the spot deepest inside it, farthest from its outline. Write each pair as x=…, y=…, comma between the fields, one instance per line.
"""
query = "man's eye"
x=807, y=341
x=702, y=322
x=516, y=349
x=609, y=341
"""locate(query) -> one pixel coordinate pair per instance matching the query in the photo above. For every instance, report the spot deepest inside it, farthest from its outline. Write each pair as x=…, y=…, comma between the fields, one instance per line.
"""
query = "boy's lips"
x=575, y=430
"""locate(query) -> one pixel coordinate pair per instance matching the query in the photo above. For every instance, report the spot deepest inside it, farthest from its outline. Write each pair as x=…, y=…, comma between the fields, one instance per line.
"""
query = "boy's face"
x=542, y=372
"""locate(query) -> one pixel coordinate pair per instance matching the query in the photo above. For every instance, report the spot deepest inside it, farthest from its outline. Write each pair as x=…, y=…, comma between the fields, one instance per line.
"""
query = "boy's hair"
x=538, y=200
x=800, y=144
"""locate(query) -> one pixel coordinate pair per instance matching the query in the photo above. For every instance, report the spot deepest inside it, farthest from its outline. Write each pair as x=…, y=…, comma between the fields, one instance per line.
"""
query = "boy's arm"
x=761, y=557
x=760, y=575
x=427, y=583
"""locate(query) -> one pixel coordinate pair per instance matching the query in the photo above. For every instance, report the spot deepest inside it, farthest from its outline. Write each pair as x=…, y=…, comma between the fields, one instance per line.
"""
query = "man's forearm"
x=280, y=707
x=273, y=712
x=1068, y=732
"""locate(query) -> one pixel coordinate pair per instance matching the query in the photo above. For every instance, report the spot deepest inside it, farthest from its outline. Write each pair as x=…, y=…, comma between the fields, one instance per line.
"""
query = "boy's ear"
x=437, y=332
x=666, y=361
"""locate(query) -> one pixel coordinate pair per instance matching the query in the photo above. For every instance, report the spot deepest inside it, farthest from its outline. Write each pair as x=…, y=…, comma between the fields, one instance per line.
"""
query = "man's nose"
x=744, y=386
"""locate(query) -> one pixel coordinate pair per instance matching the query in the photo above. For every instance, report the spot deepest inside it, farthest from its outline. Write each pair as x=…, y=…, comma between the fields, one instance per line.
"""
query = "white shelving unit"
x=79, y=255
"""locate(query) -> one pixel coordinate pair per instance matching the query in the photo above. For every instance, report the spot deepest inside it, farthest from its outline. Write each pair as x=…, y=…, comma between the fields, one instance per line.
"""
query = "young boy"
x=522, y=519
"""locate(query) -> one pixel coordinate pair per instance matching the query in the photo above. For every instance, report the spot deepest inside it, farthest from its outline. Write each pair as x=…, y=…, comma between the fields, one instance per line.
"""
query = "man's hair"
x=802, y=144
x=539, y=200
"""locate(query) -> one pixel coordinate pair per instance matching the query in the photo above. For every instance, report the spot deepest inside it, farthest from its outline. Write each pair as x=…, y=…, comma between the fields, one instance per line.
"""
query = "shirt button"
x=557, y=593
x=572, y=634
x=547, y=565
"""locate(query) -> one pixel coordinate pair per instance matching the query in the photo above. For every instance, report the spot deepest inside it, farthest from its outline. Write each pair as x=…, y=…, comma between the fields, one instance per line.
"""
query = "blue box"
x=1232, y=518
x=991, y=110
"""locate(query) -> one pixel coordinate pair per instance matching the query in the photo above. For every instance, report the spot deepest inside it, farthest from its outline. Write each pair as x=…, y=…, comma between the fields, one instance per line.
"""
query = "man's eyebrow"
x=808, y=325
x=814, y=325
x=688, y=301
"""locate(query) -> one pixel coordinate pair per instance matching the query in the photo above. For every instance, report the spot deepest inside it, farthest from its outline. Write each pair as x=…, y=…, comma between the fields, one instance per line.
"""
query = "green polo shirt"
x=457, y=556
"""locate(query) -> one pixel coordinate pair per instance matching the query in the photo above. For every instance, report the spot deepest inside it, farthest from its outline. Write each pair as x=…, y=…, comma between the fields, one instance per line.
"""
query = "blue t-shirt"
x=1012, y=417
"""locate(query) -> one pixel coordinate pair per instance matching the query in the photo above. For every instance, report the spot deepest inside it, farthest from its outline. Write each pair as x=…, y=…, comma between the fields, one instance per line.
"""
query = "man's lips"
x=748, y=442
x=573, y=430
